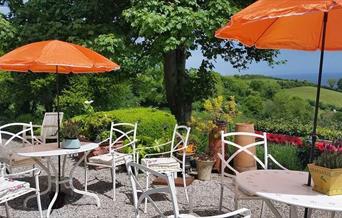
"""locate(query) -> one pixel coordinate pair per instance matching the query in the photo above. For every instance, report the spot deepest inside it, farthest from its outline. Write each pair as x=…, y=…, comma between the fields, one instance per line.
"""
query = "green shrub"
x=286, y=155
x=152, y=123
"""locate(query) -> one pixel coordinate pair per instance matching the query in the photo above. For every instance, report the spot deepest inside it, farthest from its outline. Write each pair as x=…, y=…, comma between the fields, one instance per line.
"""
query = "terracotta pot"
x=243, y=161
x=215, y=144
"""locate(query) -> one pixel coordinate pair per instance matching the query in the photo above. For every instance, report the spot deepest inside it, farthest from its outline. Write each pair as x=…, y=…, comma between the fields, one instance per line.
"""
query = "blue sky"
x=298, y=62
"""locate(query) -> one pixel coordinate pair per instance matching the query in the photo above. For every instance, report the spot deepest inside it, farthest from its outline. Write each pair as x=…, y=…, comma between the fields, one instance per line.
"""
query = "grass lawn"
x=309, y=93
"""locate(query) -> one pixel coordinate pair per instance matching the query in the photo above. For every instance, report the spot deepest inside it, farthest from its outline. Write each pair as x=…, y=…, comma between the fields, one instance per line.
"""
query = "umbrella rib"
x=265, y=31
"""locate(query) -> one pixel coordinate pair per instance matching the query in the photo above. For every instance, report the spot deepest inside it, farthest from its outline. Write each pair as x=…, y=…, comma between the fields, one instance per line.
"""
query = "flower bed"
x=283, y=139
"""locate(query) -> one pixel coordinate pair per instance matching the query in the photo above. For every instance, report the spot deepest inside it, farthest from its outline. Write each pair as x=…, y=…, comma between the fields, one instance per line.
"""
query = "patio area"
x=217, y=144
x=204, y=196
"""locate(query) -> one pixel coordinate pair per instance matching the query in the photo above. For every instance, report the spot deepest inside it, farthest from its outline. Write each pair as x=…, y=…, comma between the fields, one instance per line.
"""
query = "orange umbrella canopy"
x=46, y=56
x=286, y=24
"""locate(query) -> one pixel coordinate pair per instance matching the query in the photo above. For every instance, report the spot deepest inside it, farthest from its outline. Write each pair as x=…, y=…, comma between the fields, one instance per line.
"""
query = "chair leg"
x=333, y=214
x=85, y=176
x=185, y=188
x=33, y=166
x=221, y=198
x=63, y=166
x=191, y=206
x=114, y=180
x=262, y=208
x=236, y=203
x=147, y=185
x=39, y=203
x=310, y=212
x=7, y=210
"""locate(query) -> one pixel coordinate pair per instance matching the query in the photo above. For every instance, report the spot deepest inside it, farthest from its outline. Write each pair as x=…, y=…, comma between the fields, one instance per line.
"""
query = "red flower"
x=320, y=146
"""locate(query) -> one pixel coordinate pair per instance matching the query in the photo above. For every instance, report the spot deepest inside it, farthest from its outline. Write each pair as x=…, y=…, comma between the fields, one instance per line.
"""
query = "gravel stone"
x=204, y=198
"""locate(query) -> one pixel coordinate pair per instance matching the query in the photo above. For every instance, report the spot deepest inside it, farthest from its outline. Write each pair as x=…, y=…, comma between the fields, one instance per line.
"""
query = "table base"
x=67, y=182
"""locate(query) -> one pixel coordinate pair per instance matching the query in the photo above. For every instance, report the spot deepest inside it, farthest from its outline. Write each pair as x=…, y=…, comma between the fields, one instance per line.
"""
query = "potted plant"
x=218, y=112
x=204, y=166
x=326, y=171
x=70, y=132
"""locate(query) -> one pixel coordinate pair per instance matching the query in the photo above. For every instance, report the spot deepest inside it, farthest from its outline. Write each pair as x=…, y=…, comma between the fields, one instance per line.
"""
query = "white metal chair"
x=261, y=140
x=11, y=189
x=120, y=132
x=12, y=137
x=49, y=127
x=170, y=189
x=170, y=164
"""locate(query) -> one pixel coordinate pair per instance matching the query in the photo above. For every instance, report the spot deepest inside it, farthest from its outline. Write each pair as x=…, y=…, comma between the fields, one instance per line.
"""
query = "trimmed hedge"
x=152, y=123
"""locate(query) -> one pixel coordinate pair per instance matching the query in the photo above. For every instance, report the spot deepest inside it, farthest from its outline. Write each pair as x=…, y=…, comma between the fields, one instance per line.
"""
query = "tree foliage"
x=144, y=37
x=332, y=83
x=339, y=84
x=78, y=22
x=170, y=30
x=7, y=33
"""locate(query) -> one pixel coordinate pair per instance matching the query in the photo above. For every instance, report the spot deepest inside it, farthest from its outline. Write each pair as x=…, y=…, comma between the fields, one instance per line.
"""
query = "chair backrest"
x=228, y=139
x=12, y=136
x=146, y=193
x=125, y=133
x=169, y=189
x=49, y=128
x=180, y=138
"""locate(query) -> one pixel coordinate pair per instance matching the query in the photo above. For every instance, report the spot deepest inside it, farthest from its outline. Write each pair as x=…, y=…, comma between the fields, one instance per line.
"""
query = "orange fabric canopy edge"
x=286, y=24
x=47, y=56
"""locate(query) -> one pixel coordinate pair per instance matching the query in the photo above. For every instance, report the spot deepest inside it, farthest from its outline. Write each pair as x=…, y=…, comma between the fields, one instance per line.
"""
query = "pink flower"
x=330, y=148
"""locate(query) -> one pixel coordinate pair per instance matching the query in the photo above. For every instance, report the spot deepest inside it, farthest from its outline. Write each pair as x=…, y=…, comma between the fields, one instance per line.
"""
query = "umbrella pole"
x=58, y=122
x=318, y=94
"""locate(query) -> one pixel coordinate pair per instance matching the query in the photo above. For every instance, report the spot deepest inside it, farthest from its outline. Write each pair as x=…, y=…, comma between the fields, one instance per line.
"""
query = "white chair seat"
x=168, y=164
x=106, y=159
x=11, y=188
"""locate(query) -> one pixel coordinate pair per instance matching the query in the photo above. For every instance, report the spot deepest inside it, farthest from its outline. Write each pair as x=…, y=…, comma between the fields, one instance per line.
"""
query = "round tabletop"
x=51, y=149
x=288, y=187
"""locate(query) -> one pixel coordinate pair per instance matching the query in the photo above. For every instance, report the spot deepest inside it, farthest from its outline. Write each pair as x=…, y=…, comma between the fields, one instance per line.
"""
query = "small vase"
x=71, y=143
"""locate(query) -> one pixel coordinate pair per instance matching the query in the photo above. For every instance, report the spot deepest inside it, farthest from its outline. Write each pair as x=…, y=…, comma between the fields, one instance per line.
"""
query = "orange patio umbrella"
x=290, y=24
x=54, y=56
x=57, y=57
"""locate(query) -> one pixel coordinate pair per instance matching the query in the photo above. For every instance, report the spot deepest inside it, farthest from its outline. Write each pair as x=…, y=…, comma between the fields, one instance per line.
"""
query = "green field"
x=309, y=93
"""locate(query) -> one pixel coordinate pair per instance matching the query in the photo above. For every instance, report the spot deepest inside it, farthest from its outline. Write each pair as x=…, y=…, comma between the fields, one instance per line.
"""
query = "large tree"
x=170, y=29
x=93, y=23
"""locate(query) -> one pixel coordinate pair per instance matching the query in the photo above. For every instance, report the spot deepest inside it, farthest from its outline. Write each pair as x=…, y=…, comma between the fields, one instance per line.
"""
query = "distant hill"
x=309, y=93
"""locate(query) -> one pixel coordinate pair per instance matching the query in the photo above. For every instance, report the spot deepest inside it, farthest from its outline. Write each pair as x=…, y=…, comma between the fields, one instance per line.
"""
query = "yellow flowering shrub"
x=218, y=110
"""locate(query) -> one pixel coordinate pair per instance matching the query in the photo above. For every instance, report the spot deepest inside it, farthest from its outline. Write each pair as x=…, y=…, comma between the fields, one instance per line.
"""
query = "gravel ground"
x=204, y=197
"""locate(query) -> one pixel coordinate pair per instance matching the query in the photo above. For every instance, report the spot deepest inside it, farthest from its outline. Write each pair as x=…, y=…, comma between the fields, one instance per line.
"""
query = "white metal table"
x=47, y=151
x=288, y=187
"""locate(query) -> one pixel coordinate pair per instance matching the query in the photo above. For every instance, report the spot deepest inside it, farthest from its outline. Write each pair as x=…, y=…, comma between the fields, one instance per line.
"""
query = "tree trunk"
x=175, y=85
